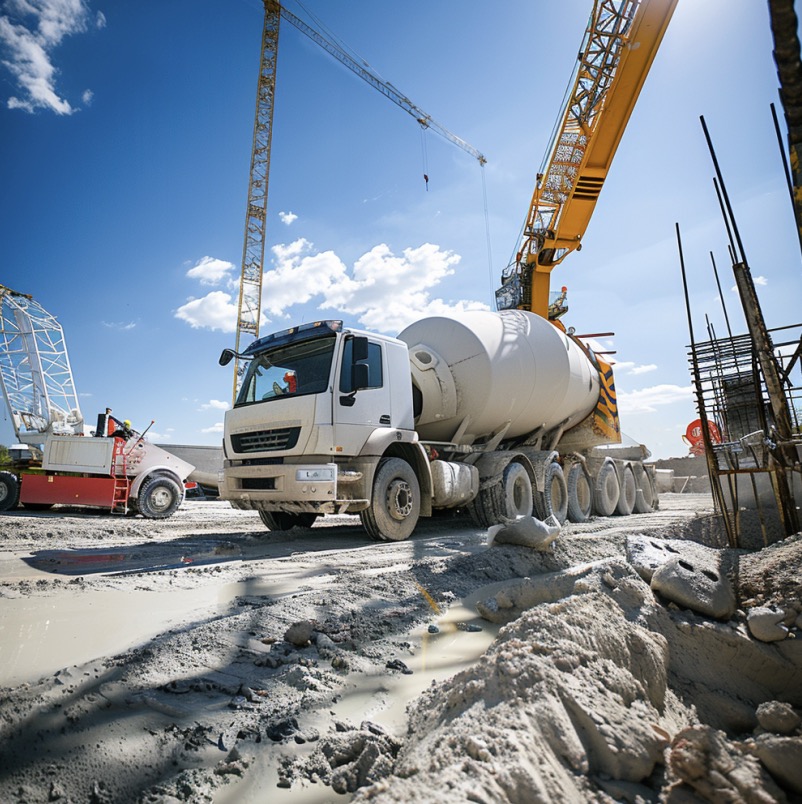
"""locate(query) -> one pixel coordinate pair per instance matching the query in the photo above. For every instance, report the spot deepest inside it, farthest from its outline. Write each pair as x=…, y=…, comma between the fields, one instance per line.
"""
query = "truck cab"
x=318, y=408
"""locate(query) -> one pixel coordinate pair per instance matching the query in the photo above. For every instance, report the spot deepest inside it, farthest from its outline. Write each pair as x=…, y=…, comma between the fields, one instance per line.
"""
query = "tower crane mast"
x=250, y=292
x=249, y=307
x=620, y=43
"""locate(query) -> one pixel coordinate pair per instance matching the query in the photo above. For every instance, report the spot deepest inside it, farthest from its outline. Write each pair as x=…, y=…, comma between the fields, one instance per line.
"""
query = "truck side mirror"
x=360, y=376
x=226, y=356
x=359, y=344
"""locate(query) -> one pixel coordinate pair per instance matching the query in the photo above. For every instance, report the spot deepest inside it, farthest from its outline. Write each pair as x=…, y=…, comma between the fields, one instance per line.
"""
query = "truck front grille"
x=266, y=440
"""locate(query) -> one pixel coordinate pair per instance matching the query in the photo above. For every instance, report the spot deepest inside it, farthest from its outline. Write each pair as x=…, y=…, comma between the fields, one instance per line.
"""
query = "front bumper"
x=294, y=488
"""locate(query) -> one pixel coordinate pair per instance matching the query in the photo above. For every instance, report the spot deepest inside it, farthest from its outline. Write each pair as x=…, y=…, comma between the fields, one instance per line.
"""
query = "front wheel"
x=283, y=520
x=9, y=491
x=395, y=505
x=159, y=497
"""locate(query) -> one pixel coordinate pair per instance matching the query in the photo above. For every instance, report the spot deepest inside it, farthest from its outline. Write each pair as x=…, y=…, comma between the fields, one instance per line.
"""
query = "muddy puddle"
x=461, y=639
x=41, y=635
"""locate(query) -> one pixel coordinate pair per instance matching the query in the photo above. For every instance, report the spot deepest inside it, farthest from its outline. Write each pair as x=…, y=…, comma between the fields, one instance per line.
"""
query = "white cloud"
x=215, y=404
x=287, y=217
x=215, y=428
x=632, y=368
x=299, y=275
x=647, y=400
x=122, y=326
x=216, y=310
x=29, y=32
x=100, y=20
x=758, y=280
x=386, y=292
x=210, y=270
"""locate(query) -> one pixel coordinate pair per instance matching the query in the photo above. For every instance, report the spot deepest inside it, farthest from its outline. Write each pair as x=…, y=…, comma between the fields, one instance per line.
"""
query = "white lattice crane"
x=35, y=370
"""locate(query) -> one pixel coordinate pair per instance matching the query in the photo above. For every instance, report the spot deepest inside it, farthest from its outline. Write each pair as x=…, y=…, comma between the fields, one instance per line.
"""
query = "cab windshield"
x=289, y=370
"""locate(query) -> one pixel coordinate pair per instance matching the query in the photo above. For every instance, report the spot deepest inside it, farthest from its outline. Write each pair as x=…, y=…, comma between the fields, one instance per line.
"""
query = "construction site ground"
x=205, y=659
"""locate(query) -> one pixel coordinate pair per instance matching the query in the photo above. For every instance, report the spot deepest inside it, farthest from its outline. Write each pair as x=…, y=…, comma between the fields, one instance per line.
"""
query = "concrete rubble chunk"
x=300, y=633
x=696, y=584
x=782, y=758
x=765, y=624
x=647, y=553
x=778, y=717
x=526, y=531
x=520, y=595
x=702, y=759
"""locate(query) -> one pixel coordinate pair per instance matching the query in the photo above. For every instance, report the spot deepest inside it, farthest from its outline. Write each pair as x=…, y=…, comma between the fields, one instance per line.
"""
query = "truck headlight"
x=323, y=475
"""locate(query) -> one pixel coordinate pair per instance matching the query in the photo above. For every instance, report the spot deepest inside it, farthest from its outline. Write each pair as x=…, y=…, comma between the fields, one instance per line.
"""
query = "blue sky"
x=125, y=134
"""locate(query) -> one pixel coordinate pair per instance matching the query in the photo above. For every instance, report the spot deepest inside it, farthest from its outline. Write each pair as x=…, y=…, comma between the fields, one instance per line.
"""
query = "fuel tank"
x=477, y=371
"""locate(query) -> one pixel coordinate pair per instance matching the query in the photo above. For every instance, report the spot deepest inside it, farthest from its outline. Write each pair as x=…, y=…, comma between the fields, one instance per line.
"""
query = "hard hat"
x=127, y=423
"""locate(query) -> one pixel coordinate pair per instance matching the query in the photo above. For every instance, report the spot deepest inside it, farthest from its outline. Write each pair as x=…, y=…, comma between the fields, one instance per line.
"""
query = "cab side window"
x=374, y=363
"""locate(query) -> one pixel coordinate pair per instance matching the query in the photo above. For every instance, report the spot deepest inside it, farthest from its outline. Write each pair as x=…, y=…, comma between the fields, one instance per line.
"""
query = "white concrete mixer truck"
x=500, y=413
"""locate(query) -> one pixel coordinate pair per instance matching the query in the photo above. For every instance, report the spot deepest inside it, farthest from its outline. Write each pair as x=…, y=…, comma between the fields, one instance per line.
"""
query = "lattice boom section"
x=35, y=370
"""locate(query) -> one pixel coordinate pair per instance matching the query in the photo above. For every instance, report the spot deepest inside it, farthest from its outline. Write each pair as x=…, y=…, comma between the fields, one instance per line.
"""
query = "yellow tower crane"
x=620, y=42
x=250, y=293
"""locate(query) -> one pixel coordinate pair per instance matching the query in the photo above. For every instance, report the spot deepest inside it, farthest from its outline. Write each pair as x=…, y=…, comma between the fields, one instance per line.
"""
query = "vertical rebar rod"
x=723, y=188
x=712, y=468
x=786, y=168
x=721, y=295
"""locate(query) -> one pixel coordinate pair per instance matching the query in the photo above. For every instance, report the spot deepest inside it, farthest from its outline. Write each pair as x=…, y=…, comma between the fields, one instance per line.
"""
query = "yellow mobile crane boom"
x=619, y=46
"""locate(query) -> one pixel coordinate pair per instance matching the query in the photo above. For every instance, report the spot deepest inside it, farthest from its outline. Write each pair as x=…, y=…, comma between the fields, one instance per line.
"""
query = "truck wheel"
x=606, y=490
x=395, y=507
x=159, y=497
x=580, y=493
x=626, y=497
x=553, y=500
x=644, y=496
x=505, y=501
x=9, y=491
x=282, y=520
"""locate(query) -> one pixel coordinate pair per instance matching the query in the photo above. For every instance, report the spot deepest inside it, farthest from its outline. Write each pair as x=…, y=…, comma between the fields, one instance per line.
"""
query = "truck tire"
x=282, y=520
x=580, y=493
x=553, y=500
x=626, y=496
x=9, y=491
x=644, y=496
x=395, y=504
x=159, y=497
x=606, y=490
x=505, y=501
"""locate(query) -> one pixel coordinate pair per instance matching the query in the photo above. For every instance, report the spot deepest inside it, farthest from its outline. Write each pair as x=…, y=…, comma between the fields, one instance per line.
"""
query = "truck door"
x=358, y=412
